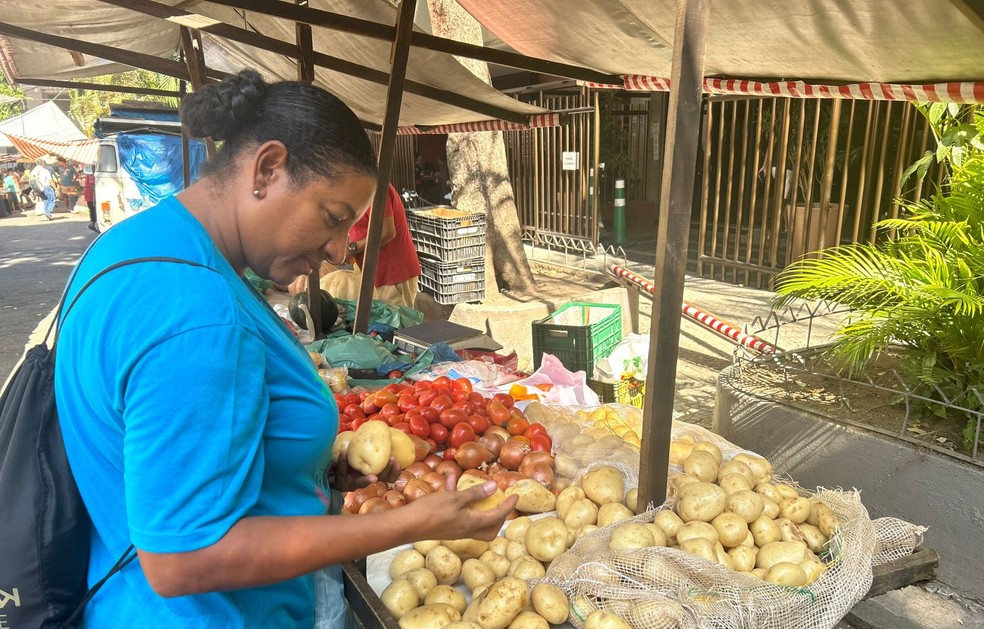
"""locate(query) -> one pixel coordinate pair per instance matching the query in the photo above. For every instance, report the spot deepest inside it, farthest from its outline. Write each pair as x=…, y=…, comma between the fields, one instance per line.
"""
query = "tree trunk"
x=478, y=169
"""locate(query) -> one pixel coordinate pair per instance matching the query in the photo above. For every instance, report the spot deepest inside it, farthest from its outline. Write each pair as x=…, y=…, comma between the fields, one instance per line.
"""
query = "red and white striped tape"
x=537, y=121
x=954, y=92
x=702, y=317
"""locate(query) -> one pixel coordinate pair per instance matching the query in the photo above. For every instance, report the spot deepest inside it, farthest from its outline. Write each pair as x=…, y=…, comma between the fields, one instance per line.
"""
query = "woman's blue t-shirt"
x=185, y=405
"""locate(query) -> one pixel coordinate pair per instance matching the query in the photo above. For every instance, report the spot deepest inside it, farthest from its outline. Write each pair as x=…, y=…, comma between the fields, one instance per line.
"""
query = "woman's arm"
x=389, y=232
x=263, y=550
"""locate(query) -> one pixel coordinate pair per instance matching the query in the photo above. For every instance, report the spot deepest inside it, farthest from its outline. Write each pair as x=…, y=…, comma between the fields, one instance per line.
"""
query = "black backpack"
x=44, y=526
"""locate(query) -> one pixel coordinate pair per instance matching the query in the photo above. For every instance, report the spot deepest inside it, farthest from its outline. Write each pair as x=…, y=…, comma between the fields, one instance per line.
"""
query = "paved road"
x=36, y=258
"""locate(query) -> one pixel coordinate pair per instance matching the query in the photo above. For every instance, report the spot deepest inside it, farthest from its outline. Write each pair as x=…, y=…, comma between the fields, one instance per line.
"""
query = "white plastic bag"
x=629, y=359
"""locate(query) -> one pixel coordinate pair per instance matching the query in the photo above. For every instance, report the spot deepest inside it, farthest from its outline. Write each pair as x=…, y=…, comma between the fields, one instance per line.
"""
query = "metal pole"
x=595, y=167
x=394, y=99
x=682, y=139
x=618, y=212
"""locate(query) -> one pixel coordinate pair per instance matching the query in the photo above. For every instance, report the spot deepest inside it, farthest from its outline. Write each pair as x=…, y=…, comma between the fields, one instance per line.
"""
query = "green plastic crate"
x=578, y=334
x=629, y=391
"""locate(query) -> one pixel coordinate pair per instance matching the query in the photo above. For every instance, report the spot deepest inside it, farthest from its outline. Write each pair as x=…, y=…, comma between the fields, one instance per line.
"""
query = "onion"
x=512, y=454
x=435, y=480
x=541, y=473
x=415, y=489
x=420, y=448
x=394, y=498
x=495, y=468
x=353, y=500
x=477, y=474
x=508, y=479
x=536, y=457
x=401, y=481
x=497, y=431
x=492, y=443
x=419, y=468
x=432, y=461
x=471, y=454
x=374, y=505
x=449, y=468
x=376, y=489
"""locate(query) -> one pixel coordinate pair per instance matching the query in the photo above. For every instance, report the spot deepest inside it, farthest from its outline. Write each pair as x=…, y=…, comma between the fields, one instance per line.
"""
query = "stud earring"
x=256, y=193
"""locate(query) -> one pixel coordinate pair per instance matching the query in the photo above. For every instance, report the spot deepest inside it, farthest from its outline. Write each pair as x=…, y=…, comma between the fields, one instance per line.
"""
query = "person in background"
x=11, y=185
x=69, y=185
x=43, y=184
x=203, y=435
x=25, y=188
x=89, y=194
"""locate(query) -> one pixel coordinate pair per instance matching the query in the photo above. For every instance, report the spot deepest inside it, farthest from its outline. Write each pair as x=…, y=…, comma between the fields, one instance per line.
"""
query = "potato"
x=581, y=512
x=702, y=465
x=722, y=556
x=679, y=451
x=448, y=595
x=814, y=569
x=761, y=468
x=713, y=450
x=603, y=484
x=600, y=619
x=733, y=483
x=516, y=548
x=686, y=439
x=670, y=522
x=827, y=520
x=499, y=544
x=405, y=561
x=461, y=624
x=342, y=440
x=731, y=529
x=529, y=620
x=476, y=574
x=526, y=568
x=789, y=532
x=445, y=565
x=498, y=563
x=467, y=548
x=546, y=539
x=768, y=490
x=517, y=528
x=370, y=448
x=433, y=616
x=786, y=491
x=797, y=509
x=764, y=531
x=613, y=512
x=399, y=597
x=422, y=579
x=655, y=613
x=743, y=558
x=700, y=547
x=785, y=573
x=499, y=604
x=749, y=541
x=566, y=498
x=700, y=501
x=631, y=536
x=632, y=499
x=693, y=530
x=747, y=504
x=737, y=467
x=758, y=572
x=659, y=537
x=425, y=546
x=550, y=602
x=490, y=502
x=533, y=497
x=402, y=448
x=815, y=540
x=780, y=552
x=584, y=530
x=675, y=482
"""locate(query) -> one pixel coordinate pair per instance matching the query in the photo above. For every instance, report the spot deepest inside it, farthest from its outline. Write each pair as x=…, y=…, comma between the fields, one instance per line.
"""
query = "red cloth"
x=397, y=258
x=89, y=188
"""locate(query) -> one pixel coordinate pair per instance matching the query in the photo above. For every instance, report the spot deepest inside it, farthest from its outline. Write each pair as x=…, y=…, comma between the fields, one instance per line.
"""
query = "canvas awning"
x=44, y=122
x=85, y=151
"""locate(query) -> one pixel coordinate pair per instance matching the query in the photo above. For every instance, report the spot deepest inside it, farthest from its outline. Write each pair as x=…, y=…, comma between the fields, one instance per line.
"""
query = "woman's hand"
x=448, y=515
x=343, y=478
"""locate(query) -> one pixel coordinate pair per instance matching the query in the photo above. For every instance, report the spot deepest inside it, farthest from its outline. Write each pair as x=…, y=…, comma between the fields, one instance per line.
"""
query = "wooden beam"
x=342, y=66
x=79, y=85
x=185, y=140
x=365, y=28
x=680, y=154
x=394, y=99
x=194, y=56
x=921, y=565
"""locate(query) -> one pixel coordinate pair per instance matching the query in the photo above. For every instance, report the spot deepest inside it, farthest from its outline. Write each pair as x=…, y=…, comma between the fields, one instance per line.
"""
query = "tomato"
x=393, y=387
x=422, y=385
x=443, y=391
x=439, y=433
x=354, y=411
x=505, y=399
x=394, y=420
x=441, y=403
x=533, y=430
x=404, y=428
x=358, y=421
x=429, y=413
x=517, y=425
x=468, y=407
x=389, y=410
x=420, y=426
x=426, y=397
x=449, y=454
x=541, y=443
x=353, y=398
x=442, y=381
x=462, y=384
x=478, y=423
x=461, y=433
x=452, y=416
x=407, y=402
x=498, y=414
x=340, y=401
x=477, y=399
x=459, y=396
x=343, y=426
x=383, y=397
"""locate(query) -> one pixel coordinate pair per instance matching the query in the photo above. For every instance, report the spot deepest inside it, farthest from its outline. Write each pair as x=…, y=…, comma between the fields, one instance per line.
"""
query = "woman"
x=195, y=425
x=89, y=194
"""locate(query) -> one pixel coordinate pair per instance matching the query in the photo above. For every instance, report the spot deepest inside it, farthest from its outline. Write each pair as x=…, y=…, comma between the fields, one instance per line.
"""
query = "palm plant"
x=921, y=287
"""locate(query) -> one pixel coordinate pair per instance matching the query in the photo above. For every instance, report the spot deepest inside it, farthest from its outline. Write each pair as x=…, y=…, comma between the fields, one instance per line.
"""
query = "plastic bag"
x=355, y=351
x=628, y=360
x=565, y=388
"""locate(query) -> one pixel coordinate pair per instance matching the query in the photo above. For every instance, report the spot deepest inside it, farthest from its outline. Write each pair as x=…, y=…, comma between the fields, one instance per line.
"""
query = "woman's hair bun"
x=217, y=111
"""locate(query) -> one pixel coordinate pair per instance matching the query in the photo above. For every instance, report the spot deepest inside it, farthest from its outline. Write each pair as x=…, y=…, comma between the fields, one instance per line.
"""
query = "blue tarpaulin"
x=153, y=161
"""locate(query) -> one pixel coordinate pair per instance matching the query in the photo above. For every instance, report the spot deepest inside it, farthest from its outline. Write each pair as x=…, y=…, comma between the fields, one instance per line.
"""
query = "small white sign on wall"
x=570, y=160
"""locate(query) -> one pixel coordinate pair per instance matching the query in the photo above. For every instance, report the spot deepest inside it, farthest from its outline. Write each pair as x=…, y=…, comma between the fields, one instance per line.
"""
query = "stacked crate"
x=451, y=248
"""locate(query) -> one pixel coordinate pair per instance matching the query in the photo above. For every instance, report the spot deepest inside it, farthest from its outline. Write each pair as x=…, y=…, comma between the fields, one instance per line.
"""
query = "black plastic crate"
x=448, y=296
x=578, y=334
x=447, y=223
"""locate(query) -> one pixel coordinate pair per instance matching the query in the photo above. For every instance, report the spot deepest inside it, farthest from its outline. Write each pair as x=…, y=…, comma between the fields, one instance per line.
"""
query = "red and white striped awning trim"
x=540, y=120
x=956, y=92
x=83, y=151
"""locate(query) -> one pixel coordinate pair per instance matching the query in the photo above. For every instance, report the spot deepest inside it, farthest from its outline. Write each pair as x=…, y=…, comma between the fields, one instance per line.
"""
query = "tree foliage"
x=10, y=109
x=88, y=105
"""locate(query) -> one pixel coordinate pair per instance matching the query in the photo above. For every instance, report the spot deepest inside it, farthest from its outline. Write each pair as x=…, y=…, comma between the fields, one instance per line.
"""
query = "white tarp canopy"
x=44, y=122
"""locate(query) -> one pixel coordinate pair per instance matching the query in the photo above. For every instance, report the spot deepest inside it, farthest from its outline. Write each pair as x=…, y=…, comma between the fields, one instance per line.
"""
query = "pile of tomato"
x=443, y=412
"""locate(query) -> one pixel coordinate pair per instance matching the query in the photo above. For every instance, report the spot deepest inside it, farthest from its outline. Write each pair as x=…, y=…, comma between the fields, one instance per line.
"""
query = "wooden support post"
x=194, y=56
x=185, y=139
x=98, y=87
x=394, y=100
x=671, y=246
